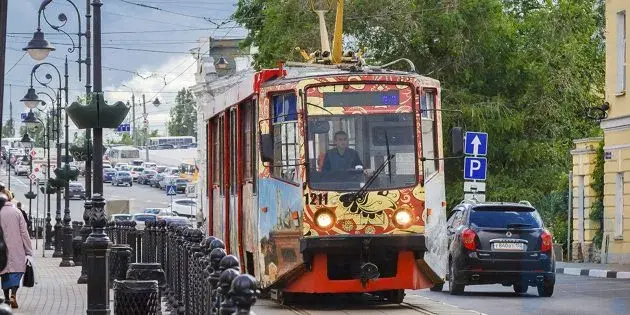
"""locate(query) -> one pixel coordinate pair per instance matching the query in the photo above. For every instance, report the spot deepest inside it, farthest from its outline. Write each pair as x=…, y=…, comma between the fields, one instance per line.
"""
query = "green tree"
x=8, y=130
x=183, y=120
x=522, y=70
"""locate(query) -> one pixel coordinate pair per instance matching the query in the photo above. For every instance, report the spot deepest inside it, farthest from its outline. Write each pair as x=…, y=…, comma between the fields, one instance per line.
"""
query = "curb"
x=597, y=273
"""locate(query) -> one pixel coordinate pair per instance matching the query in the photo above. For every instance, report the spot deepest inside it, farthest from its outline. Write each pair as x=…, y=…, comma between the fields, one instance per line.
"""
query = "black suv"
x=499, y=242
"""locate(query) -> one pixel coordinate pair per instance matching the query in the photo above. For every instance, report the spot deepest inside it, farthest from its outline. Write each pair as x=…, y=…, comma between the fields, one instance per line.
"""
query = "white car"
x=22, y=168
x=135, y=172
x=185, y=207
x=149, y=165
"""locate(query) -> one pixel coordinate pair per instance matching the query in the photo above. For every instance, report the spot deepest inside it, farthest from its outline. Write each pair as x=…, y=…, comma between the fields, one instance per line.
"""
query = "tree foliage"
x=8, y=129
x=183, y=120
x=522, y=70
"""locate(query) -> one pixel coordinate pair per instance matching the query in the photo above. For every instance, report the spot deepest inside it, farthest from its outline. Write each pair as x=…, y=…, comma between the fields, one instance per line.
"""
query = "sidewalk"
x=613, y=271
x=56, y=290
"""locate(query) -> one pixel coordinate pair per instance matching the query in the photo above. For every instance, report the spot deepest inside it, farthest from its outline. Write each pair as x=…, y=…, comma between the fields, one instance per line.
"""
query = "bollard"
x=182, y=278
x=212, y=281
x=97, y=253
x=244, y=290
x=118, y=262
x=147, y=271
x=77, y=249
x=161, y=246
x=229, y=262
x=133, y=237
x=204, y=274
x=5, y=309
x=225, y=305
x=136, y=297
x=196, y=236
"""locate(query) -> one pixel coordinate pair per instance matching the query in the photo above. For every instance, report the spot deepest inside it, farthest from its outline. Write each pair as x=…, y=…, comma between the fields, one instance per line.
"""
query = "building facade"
x=616, y=127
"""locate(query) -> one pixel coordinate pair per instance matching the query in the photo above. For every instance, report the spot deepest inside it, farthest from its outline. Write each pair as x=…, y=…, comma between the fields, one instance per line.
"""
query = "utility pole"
x=146, y=126
x=133, y=119
x=3, y=46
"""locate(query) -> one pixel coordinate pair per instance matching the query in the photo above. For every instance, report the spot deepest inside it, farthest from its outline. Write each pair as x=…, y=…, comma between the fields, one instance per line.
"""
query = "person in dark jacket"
x=28, y=222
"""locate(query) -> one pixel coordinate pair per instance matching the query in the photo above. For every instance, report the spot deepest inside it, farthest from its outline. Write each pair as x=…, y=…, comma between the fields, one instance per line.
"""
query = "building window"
x=580, y=210
x=285, y=137
x=619, y=205
x=621, y=52
x=429, y=137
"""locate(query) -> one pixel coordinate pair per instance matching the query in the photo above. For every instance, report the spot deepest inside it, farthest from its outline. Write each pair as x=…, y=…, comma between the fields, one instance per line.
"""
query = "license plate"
x=508, y=246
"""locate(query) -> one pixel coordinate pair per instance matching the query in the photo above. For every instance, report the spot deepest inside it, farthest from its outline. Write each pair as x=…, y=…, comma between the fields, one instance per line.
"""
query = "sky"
x=146, y=49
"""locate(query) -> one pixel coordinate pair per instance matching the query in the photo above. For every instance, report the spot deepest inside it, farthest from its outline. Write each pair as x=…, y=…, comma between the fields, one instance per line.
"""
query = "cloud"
x=168, y=78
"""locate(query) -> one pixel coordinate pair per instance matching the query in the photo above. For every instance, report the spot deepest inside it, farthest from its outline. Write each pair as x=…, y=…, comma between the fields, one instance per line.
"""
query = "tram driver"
x=341, y=158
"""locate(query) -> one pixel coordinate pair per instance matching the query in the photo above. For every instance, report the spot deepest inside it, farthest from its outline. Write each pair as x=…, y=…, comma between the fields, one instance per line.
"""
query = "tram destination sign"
x=350, y=99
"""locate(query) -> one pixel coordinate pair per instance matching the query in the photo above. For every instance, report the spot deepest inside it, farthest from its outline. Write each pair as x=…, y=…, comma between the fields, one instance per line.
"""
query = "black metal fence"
x=192, y=272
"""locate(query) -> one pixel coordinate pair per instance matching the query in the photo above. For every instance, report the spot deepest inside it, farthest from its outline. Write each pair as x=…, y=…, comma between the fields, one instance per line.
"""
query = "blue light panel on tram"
x=349, y=99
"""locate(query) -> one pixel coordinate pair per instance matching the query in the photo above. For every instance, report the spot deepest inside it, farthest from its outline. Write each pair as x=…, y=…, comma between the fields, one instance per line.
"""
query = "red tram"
x=328, y=178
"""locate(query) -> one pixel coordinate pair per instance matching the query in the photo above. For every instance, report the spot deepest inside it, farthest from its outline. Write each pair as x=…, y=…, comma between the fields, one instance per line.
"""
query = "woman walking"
x=18, y=247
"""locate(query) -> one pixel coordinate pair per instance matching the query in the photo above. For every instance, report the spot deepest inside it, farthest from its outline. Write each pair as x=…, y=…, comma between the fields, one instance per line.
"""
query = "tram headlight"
x=403, y=218
x=325, y=219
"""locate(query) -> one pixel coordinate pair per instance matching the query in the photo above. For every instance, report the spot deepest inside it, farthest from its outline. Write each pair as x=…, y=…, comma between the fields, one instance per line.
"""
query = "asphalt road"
x=140, y=196
x=572, y=295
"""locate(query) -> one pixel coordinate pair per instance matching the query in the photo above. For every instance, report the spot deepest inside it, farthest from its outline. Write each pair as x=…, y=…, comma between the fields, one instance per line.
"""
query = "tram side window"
x=285, y=135
x=217, y=151
x=428, y=132
x=247, y=120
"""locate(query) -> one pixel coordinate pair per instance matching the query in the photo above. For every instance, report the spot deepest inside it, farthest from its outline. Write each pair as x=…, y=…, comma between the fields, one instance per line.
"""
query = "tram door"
x=232, y=227
x=218, y=193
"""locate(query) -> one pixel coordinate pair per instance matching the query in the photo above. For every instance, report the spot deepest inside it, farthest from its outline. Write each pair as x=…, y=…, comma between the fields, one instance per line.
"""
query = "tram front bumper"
x=361, y=263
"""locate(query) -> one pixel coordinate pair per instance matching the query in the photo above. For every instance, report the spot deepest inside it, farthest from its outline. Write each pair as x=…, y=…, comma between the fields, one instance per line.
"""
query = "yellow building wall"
x=616, y=127
x=584, y=229
x=619, y=104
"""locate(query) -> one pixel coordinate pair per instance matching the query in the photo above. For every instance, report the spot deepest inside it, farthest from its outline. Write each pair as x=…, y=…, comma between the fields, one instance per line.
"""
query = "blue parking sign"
x=475, y=168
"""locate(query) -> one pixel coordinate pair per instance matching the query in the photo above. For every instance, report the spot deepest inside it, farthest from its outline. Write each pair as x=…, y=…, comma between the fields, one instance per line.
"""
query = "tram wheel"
x=395, y=296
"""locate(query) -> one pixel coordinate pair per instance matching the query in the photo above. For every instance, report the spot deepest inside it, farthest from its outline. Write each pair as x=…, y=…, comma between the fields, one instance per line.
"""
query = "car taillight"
x=545, y=241
x=468, y=238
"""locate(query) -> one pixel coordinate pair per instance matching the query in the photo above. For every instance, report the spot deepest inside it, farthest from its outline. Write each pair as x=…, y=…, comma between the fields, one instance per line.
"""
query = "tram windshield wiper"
x=372, y=178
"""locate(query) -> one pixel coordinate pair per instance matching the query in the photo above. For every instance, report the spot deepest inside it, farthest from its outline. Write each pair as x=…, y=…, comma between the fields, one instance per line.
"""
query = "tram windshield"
x=345, y=151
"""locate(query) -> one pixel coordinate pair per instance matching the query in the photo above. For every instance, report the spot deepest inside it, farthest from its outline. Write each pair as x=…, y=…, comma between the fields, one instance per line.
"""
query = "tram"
x=327, y=176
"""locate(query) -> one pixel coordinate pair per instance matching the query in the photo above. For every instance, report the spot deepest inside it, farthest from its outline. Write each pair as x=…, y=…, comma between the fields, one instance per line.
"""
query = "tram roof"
x=300, y=73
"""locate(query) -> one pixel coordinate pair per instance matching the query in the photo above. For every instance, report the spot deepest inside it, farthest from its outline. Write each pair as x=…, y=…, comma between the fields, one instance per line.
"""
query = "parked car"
x=76, y=190
x=161, y=168
x=176, y=219
x=160, y=212
x=167, y=180
x=500, y=242
x=120, y=217
x=135, y=172
x=22, y=167
x=155, y=180
x=149, y=165
x=185, y=207
x=141, y=218
x=145, y=177
x=122, y=178
x=181, y=184
x=108, y=175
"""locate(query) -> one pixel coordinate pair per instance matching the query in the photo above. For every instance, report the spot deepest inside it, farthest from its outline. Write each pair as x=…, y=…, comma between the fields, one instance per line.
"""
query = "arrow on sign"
x=476, y=143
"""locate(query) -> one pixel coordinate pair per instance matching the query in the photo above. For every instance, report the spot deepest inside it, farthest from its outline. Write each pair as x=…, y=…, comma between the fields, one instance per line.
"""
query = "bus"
x=189, y=170
x=123, y=154
x=305, y=219
x=176, y=142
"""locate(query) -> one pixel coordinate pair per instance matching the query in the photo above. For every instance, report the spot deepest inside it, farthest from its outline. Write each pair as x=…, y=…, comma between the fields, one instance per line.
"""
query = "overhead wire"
x=207, y=19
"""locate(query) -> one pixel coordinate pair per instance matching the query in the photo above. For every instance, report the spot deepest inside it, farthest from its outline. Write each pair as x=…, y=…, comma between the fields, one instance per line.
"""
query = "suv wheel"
x=454, y=288
x=545, y=289
x=520, y=288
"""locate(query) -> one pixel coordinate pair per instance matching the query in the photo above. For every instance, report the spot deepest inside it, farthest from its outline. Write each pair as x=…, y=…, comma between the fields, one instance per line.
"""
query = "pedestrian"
x=18, y=247
x=28, y=222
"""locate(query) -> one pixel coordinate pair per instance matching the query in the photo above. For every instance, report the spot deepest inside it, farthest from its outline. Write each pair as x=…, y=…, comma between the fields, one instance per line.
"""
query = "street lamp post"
x=57, y=124
x=63, y=247
x=27, y=143
x=39, y=47
x=31, y=100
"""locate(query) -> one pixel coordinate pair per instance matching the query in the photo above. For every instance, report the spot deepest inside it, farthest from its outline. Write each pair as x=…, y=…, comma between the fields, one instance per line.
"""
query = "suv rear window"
x=505, y=217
